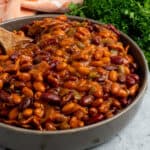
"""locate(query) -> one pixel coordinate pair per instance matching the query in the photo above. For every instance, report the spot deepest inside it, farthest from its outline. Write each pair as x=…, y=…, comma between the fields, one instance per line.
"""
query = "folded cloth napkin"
x=48, y=5
x=17, y=8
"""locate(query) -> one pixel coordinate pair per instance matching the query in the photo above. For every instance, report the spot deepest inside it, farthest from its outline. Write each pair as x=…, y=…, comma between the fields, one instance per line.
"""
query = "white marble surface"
x=136, y=136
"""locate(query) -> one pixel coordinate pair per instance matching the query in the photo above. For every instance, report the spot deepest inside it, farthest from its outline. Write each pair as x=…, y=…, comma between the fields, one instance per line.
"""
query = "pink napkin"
x=11, y=9
x=17, y=8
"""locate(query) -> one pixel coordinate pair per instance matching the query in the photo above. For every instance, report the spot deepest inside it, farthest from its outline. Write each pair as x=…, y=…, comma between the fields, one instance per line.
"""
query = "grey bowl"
x=74, y=139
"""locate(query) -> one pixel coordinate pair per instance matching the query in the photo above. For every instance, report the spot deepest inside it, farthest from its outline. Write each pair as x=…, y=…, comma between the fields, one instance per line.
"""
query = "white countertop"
x=136, y=136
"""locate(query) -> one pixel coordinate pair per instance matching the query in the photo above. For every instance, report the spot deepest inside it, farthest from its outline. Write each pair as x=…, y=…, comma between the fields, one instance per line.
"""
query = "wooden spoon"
x=9, y=39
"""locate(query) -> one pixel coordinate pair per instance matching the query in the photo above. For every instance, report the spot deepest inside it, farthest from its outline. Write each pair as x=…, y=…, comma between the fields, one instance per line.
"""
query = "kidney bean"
x=26, y=102
x=53, y=64
x=106, y=96
x=50, y=97
x=133, y=67
x=96, y=28
x=4, y=112
x=26, y=67
x=4, y=96
x=130, y=99
x=72, y=78
x=124, y=101
x=86, y=100
x=67, y=98
x=93, y=27
x=111, y=67
x=111, y=27
x=96, y=40
x=118, y=60
x=14, y=55
x=37, y=59
x=132, y=79
x=95, y=119
x=136, y=77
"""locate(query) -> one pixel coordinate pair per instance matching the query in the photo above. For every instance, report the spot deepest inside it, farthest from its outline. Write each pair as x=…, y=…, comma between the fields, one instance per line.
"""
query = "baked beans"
x=73, y=74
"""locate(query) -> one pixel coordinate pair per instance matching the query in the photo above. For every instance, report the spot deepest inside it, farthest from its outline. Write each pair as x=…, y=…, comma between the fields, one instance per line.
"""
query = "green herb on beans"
x=130, y=16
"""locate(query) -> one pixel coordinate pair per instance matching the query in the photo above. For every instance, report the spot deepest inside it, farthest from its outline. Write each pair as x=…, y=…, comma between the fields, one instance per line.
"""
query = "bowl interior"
x=16, y=24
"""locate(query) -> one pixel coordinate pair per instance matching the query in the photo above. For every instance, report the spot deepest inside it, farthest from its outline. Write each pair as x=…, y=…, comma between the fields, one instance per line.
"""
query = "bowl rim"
x=87, y=127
